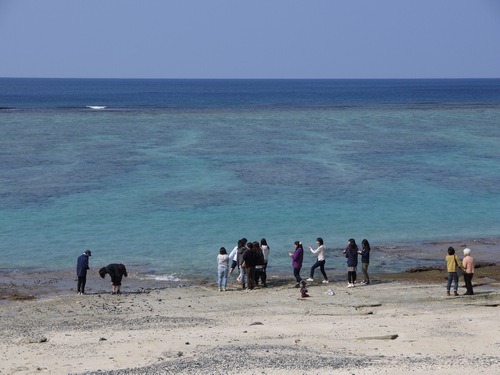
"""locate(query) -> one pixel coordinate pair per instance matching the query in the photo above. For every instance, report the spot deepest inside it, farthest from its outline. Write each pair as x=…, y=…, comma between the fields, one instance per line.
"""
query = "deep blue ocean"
x=159, y=174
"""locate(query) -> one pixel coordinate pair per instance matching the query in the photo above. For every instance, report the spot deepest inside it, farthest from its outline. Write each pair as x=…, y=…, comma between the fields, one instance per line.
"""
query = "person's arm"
x=314, y=251
x=464, y=263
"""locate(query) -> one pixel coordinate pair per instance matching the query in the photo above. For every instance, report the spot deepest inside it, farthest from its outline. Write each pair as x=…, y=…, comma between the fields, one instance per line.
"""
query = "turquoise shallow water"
x=170, y=171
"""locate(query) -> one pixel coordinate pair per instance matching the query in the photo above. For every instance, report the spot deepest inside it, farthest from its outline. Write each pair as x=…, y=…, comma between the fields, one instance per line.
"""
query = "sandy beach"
x=401, y=323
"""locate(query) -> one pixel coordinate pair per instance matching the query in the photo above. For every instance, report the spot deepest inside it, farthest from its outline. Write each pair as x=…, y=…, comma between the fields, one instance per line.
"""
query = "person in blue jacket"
x=82, y=265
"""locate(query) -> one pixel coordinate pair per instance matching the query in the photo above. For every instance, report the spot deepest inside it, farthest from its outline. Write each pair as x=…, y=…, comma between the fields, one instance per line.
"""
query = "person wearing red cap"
x=82, y=265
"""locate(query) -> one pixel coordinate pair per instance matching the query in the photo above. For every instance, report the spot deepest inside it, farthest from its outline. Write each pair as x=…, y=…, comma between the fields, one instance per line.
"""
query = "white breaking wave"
x=96, y=107
x=164, y=278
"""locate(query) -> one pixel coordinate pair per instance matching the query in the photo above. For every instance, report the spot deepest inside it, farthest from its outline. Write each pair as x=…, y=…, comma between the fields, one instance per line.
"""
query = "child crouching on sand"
x=222, y=269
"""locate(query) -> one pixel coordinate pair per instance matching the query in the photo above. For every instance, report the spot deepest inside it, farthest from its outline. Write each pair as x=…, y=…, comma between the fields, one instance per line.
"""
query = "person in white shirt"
x=320, y=251
x=222, y=268
x=265, y=251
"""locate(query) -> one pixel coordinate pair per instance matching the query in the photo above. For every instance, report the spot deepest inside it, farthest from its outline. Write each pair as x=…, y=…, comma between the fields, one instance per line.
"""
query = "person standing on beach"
x=469, y=264
x=365, y=260
x=222, y=269
x=116, y=271
x=82, y=265
x=265, y=252
x=233, y=256
x=351, y=253
x=452, y=263
x=320, y=251
x=250, y=260
x=242, y=273
x=259, y=264
x=297, y=258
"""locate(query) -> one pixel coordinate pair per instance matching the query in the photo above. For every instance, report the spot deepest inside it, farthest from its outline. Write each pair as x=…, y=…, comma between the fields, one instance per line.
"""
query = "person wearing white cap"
x=468, y=263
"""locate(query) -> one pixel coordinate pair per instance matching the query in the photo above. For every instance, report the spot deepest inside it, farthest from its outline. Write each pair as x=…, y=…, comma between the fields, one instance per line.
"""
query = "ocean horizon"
x=159, y=174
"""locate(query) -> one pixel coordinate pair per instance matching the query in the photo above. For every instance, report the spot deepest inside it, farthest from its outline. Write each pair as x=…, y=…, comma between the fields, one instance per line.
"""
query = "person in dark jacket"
x=365, y=260
x=116, y=271
x=82, y=265
x=260, y=272
x=250, y=259
x=351, y=253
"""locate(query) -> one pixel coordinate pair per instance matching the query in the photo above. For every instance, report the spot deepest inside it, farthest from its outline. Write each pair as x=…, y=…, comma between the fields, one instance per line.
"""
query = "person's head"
x=365, y=244
x=466, y=251
x=263, y=242
x=244, y=241
x=222, y=251
x=250, y=245
x=352, y=243
x=240, y=244
x=319, y=241
x=298, y=244
x=255, y=245
x=102, y=272
x=88, y=253
x=451, y=251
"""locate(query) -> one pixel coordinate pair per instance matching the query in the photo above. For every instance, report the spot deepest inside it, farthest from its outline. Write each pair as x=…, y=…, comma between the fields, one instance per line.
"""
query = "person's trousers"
x=351, y=276
x=296, y=274
x=260, y=274
x=250, y=277
x=364, y=268
x=321, y=265
x=222, y=278
x=452, y=276
x=468, y=282
x=80, y=287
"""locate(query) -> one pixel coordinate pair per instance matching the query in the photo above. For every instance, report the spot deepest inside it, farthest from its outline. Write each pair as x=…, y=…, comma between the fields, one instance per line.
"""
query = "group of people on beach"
x=251, y=260
x=351, y=252
x=456, y=268
x=115, y=270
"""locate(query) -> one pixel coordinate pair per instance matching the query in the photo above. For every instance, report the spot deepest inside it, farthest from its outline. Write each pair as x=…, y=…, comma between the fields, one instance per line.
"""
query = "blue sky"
x=250, y=39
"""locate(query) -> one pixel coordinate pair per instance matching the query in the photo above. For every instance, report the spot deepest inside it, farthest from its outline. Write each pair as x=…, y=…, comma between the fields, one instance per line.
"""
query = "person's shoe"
x=350, y=285
x=224, y=289
x=447, y=292
x=220, y=290
x=113, y=293
x=325, y=281
x=309, y=280
x=455, y=293
x=367, y=282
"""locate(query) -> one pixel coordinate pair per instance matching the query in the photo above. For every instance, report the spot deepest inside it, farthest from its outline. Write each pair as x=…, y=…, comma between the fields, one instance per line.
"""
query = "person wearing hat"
x=468, y=263
x=82, y=265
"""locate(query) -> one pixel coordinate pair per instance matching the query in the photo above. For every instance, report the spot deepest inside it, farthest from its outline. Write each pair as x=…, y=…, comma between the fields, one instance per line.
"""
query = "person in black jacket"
x=116, y=271
x=82, y=265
